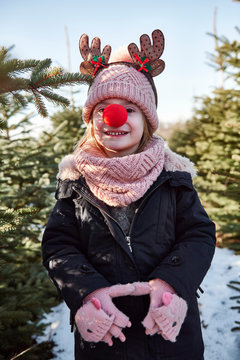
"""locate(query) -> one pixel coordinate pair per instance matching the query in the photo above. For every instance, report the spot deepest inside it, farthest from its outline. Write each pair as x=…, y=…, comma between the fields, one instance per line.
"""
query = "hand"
x=141, y=288
x=92, y=322
x=158, y=288
x=121, y=321
x=170, y=316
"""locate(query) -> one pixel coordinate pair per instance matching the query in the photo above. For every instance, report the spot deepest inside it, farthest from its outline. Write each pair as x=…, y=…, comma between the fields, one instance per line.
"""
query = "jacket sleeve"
x=67, y=266
x=189, y=259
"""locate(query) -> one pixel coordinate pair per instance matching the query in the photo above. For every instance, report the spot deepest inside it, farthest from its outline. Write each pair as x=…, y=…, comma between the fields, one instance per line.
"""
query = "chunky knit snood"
x=121, y=180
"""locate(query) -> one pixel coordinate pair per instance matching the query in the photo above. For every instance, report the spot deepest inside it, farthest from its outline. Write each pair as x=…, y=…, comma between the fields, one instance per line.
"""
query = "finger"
x=148, y=322
x=122, y=337
x=141, y=288
x=121, y=290
x=115, y=330
x=153, y=331
x=164, y=336
x=121, y=319
x=108, y=339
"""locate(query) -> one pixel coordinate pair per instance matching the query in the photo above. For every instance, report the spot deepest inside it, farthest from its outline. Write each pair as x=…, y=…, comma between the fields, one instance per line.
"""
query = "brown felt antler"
x=92, y=56
x=150, y=53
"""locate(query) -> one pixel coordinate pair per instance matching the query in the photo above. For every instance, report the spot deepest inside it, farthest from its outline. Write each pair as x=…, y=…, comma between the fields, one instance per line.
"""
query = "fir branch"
x=55, y=98
x=15, y=66
x=20, y=99
x=57, y=81
x=3, y=53
x=43, y=79
x=39, y=77
x=43, y=64
x=8, y=84
x=39, y=103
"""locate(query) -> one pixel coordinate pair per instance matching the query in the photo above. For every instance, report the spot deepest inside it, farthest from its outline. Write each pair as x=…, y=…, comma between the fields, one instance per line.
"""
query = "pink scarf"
x=120, y=181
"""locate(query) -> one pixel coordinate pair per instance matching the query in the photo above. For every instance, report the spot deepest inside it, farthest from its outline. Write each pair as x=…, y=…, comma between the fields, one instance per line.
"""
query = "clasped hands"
x=100, y=320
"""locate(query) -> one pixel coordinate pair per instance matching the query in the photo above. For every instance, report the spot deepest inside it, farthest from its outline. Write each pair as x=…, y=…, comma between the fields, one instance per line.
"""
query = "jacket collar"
x=66, y=188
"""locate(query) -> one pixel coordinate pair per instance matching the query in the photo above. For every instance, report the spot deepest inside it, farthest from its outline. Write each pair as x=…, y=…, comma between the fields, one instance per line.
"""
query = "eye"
x=99, y=110
x=130, y=110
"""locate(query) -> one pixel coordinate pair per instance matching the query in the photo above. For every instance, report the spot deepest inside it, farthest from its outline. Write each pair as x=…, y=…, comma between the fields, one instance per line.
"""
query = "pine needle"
x=55, y=98
x=39, y=103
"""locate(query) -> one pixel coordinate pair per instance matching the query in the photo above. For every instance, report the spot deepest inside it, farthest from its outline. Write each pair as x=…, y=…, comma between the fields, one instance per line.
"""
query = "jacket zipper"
x=127, y=238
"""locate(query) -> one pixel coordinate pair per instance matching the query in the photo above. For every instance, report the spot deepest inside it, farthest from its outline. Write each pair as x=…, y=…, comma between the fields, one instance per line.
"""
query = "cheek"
x=97, y=124
x=139, y=128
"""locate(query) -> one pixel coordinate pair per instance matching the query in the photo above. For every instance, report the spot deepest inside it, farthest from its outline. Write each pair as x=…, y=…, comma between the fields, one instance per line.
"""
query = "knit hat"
x=128, y=76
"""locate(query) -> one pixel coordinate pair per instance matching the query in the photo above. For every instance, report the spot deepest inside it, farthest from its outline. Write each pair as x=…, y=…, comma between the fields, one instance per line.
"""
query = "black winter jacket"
x=171, y=238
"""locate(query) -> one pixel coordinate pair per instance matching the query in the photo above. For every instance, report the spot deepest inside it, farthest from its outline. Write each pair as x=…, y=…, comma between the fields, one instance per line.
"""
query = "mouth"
x=116, y=133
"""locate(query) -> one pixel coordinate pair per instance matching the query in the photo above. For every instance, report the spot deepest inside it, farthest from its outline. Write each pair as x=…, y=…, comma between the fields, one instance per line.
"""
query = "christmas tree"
x=27, y=178
x=211, y=140
x=42, y=79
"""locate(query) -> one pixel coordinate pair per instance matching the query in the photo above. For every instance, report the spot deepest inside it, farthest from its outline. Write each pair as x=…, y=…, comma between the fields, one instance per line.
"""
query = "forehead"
x=115, y=101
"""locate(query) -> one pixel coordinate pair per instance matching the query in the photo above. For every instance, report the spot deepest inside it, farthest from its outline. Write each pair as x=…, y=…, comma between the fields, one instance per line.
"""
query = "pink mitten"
x=92, y=322
x=158, y=288
x=141, y=288
x=170, y=316
x=105, y=296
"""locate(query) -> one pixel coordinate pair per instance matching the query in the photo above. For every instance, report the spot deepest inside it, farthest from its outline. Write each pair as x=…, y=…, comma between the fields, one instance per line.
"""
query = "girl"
x=128, y=242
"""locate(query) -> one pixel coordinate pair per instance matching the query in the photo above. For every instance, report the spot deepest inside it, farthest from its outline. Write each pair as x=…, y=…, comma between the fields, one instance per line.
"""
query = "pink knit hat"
x=128, y=77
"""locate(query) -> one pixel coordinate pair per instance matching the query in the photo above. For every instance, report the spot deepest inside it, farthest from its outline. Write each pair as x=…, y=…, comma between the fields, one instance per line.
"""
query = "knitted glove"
x=105, y=296
x=158, y=288
x=141, y=288
x=92, y=322
x=170, y=316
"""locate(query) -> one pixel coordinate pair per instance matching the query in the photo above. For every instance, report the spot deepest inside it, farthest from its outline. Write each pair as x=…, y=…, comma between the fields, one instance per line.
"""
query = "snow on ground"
x=216, y=315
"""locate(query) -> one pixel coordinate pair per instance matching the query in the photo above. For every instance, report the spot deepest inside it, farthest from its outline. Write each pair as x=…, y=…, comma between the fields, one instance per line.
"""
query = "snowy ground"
x=216, y=315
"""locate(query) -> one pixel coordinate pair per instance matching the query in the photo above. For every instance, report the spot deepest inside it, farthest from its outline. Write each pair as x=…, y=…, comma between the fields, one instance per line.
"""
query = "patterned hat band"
x=135, y=66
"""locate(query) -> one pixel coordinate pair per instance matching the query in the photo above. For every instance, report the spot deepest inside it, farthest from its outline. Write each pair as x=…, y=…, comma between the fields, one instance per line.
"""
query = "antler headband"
x=147, y=60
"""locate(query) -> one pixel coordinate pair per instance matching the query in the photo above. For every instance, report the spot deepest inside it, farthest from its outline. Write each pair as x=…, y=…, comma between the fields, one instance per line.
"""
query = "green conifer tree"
x=211, y=140
x=41, y=81
x=27, y=184
x=71, y=129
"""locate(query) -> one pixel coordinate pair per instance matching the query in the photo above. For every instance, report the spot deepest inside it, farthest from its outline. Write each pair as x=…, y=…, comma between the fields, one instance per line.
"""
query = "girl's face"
x=123, y=140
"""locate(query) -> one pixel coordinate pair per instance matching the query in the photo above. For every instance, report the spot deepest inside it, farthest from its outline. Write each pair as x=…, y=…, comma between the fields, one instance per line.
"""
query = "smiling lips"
x=115, y=133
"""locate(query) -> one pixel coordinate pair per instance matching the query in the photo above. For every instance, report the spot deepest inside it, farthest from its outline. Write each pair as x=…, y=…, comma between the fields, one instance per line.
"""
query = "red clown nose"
x=115, y=115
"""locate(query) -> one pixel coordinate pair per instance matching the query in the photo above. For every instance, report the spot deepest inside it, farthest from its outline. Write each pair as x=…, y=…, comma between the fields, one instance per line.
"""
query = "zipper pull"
x=128, y=240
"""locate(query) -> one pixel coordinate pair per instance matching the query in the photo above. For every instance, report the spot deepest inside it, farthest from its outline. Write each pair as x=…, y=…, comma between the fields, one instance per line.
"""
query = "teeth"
x=115, y=133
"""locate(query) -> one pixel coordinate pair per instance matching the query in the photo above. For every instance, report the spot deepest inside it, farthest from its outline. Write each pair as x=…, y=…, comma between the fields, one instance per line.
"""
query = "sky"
x=37, y=29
